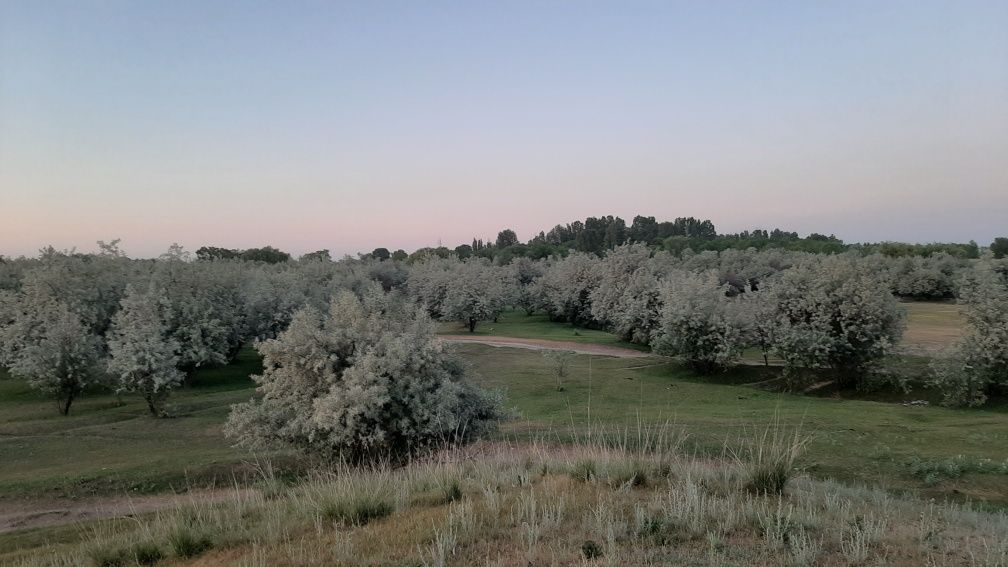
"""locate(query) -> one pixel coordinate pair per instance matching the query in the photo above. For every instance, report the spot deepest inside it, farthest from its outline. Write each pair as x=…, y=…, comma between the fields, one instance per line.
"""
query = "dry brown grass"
x=931, y=327
x=530, y=504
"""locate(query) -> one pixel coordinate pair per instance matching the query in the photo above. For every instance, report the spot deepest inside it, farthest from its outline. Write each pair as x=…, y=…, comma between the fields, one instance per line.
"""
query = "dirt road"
x=543, y=344
x=21, y=514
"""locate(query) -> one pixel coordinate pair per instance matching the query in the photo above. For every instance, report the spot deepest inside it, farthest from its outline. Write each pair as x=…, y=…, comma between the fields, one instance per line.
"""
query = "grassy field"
x=931, y=326
x=879, y=443
x=503, y=505
x=108, y=447
x=104, y=446
x=517, y=324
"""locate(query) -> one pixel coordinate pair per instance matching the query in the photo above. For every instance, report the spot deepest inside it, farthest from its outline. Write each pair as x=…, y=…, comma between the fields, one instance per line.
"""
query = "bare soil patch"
x=23, y=514
x=543, y=344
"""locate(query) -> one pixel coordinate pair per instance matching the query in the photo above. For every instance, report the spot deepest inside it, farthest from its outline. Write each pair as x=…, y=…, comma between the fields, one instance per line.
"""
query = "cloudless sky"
x=347, y=126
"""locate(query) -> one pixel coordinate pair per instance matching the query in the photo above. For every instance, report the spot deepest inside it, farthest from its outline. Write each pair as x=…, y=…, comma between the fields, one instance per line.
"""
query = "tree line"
x=835, y=313
x=70, y=321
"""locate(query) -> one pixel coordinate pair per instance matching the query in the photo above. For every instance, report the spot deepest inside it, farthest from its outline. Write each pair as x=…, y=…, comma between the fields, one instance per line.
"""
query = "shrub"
x=700, y=322
x=367, y=381
x=591, y=550
x=979, y=362
x=832, y=312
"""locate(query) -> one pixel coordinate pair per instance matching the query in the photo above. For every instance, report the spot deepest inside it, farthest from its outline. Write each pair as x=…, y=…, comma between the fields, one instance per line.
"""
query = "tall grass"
x=770, y=456
x=508, y=503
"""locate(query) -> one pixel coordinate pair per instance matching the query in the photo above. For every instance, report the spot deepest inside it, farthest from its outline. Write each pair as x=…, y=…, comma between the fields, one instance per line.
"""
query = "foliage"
x=613, y=275
x=565, y=289
x=999, y=247
x=700, y=322
x=366, y=380
x=143, y=357
x=828, y=312
x=47, y=344
x=979, y=362
x=474, y=292
x=559, y=364
x=505, y=238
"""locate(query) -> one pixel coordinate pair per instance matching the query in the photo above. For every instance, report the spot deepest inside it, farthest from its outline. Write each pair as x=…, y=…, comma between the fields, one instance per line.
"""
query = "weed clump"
x=146, y=554
x=591, y=550
x=585, y=471
x=108, y=556
x=185, y=542
x=356, y=512
x=769, y=459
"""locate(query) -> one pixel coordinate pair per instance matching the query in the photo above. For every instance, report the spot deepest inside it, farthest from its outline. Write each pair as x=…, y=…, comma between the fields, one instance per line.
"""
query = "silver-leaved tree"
x=366, y=380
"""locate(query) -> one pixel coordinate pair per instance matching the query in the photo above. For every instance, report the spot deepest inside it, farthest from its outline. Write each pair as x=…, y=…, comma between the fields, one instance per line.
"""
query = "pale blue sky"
x=353, y=125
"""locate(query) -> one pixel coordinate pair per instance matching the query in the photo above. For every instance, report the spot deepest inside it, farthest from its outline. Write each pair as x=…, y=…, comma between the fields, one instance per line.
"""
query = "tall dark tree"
x=999, y=247
x=463, y=251
x=506, y=237
x=381, y=254
x=216, y=253
x=266, y=254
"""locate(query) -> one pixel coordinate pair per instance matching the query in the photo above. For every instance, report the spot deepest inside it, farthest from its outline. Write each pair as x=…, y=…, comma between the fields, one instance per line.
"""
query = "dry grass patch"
x=503, y=504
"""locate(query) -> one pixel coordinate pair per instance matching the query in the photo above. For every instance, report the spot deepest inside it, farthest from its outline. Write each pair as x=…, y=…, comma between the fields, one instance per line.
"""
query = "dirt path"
x=543, y=344
x=22, y=514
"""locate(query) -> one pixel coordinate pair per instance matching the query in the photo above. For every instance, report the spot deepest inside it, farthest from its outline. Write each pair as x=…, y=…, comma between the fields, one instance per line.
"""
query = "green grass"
x=931, y=326
x=103, y=447
x=853, y=440
x=517, y=324
x=106, y=447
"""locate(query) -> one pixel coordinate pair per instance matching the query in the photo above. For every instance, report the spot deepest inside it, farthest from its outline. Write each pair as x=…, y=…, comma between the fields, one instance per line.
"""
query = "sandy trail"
x=543, y=344
x=23, y=514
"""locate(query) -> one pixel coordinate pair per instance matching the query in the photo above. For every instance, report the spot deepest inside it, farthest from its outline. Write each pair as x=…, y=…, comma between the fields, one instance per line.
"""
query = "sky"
x=348, y=126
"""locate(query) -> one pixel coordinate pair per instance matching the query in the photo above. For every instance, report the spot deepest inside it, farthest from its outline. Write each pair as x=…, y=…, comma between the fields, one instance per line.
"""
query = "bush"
x=700, y=322
x=591, y=550
x=832, y=312
x=367, y=381
x=978, y=364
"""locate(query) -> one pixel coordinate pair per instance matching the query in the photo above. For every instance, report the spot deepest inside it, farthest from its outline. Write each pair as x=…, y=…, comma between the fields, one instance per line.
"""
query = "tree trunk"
x=150, y=405
x=65, y=408
x=472, y=325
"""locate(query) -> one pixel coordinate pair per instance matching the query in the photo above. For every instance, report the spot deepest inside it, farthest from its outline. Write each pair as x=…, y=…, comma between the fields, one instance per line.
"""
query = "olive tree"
x=143, y=355
x=50, y=346
x=832, y=312
x=476, y=291
x=637, y=312
x=559, y=364
x=701, y=322
x=613, y=276
x=429, y=280
x=979, y=362
x=566, y=286
x=367, y=379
